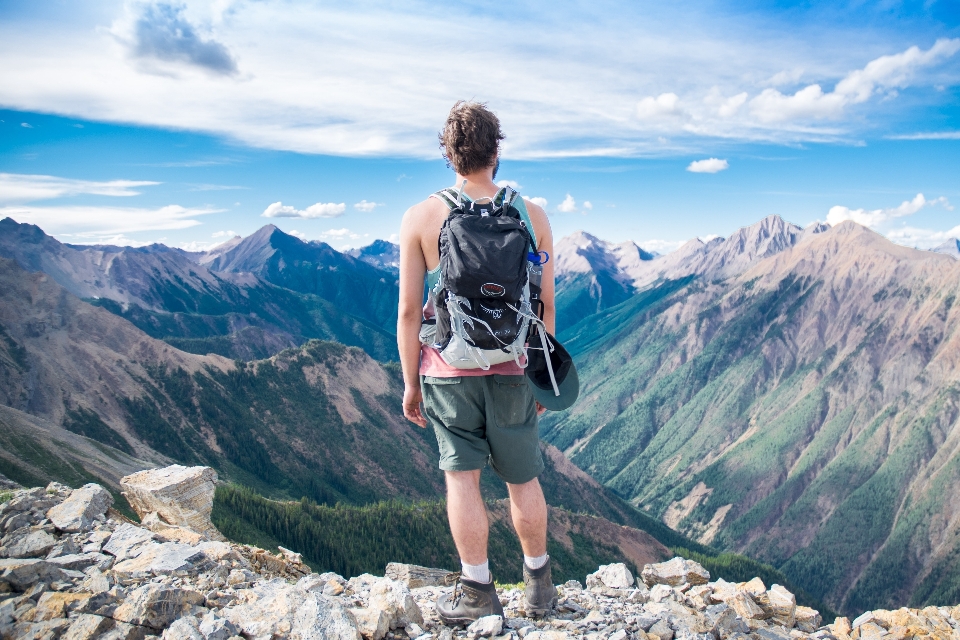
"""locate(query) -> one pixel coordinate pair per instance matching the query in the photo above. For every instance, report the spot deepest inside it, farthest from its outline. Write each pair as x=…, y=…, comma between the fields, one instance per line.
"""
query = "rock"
x=808, y=620
x=46, y=630
x=276, y=608
x=661, y=592
x=871, y=631
x=614, y=576
x=127, y=541
x=53, y=604
x=415, y=576
x=96, y=582
x=395, y=600
x=372, y=623
x=81, y=509
x=213, y=627
x=745, y=607
x=181, y=496
x=485, y=627
x=754, y=587
x=724, y=621
x=124, y=631
x=865, y=617
x=661, y=630
x=21, y=574
x=220, y=552
x=675, y=573
x=156, y=605
x=162, y=559
x=87, y=626
x=186, y=628
x=66, y=546
x=183, y=535
x=79, y=562
x=780, y=605
x=35, y=544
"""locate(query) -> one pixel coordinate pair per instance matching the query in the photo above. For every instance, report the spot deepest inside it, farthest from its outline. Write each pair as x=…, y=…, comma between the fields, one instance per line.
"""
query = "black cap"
x=564, y=372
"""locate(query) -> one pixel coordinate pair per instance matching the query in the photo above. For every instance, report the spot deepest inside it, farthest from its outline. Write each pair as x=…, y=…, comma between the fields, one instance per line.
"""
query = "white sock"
x=536, y=563
x=476, y=572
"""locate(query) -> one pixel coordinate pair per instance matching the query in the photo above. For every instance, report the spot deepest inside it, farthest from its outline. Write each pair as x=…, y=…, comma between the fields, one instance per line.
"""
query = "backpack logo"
x=492, y=290
x=496, y=313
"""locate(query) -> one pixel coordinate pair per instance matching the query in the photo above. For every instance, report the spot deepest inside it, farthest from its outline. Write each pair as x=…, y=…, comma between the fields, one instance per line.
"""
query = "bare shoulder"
x=422, y=214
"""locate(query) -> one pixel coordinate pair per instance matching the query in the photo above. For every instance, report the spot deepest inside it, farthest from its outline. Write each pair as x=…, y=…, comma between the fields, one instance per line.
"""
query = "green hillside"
x=796, y=414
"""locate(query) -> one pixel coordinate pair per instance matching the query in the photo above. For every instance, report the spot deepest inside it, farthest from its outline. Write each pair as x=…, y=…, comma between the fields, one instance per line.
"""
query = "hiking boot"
x=468, y=601
x=541, y=595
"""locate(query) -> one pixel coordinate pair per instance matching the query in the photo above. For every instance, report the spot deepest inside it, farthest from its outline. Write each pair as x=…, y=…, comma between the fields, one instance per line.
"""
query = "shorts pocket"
x=441, y=398
x=513, y=401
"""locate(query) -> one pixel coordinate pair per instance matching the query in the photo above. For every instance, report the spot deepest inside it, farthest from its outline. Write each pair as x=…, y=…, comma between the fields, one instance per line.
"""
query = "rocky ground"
x=71, y=567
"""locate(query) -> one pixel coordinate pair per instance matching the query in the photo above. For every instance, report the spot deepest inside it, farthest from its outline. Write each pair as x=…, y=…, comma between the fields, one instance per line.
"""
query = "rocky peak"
x=951, y=248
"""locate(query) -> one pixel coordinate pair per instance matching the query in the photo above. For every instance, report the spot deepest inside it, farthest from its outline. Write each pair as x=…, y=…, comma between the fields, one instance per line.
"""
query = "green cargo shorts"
x=485, y=418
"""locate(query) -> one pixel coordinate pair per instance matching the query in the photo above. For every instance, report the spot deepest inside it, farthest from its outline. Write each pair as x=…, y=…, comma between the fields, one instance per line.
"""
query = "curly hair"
x=471, y=137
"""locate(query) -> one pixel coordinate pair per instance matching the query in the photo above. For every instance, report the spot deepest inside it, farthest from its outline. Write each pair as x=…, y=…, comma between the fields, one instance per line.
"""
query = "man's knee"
x=463, y=479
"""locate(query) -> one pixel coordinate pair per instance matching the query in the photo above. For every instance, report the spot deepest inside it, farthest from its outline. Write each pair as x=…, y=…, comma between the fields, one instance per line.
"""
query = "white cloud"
x=587, y=205
x=224, y=234
x=930, y=135
x=872, y=218
x=20, y=187
x=710, y=236
x=298, y=234
x=569, y=205
x=337, y=233
x=923, y=238
x=308, y=77
x=540, y=202
x=665, y=105
x=513, y=184
x=660, y=246
x=889, y=72
x=365, y=206
x=26, y=125
x=710, y=165
x=785, y=77
x=95, y=224
x=318, y=210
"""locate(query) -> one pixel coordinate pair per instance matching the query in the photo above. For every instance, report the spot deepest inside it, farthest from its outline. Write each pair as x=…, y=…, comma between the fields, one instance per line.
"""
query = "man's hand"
x=412, y=397
x=540, y=409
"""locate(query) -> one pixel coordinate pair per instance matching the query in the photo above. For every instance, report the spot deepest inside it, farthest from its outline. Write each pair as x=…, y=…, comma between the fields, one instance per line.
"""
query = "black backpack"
x=489, y=285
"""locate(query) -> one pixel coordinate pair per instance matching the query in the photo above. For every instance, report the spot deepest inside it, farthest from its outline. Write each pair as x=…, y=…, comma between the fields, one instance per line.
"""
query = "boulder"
x=127, y=540
x=180, y=496
x=32, y=544
x=184, y=535
x=79, y=511
x=163, y=559
x=485, y=627
x=754, y=587
x=87, y=626
x=808, y=620
x=278, y=609
x=614, y=576
x=80, y=561
x=780, y=605
x=415, y=576
x=157, y=605
x=21, y=574
x=661, y=630
x=210, y=627
x=395, y=599
x=675, y=573
x=372, y=623
x=745, y=607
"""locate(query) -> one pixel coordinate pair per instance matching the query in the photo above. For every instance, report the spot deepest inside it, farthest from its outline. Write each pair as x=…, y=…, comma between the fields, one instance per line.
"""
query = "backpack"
x=489, y=286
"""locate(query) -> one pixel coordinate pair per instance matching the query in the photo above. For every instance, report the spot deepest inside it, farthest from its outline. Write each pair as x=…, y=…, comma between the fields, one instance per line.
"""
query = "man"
x=478, y=415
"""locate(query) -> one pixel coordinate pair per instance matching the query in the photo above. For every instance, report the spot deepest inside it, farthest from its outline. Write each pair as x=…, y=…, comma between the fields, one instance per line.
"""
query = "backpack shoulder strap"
x=521, y=206
x=447, y=197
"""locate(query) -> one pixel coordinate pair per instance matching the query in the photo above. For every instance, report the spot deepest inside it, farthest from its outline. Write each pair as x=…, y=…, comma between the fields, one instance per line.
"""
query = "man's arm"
x=412, y=270
x=541, y=225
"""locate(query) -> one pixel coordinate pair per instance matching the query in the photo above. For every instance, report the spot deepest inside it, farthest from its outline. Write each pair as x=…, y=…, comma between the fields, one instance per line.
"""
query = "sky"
x=135, y=121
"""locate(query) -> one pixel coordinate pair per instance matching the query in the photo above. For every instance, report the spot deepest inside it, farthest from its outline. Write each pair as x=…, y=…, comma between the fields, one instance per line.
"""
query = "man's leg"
x=467, y=515
x=468, y=523
x=529, y=512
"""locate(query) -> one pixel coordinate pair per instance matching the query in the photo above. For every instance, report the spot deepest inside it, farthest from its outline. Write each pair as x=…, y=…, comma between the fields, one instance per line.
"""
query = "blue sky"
x=140, y=121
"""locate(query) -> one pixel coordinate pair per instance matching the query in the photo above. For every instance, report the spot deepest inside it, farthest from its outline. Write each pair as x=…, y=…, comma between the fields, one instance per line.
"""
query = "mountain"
x=591, y=275
x=353, y=285
x=381, y=254
x=166, y=293
x=951, y=248
x=804, y=411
